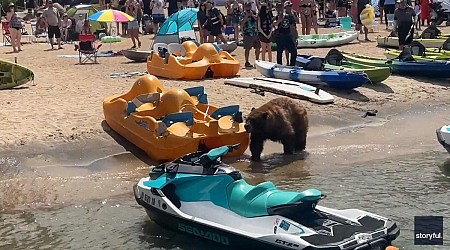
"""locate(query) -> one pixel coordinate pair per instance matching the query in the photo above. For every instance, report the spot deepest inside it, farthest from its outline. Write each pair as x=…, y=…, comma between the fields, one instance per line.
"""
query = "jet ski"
x=199, y=195
x=443, y=136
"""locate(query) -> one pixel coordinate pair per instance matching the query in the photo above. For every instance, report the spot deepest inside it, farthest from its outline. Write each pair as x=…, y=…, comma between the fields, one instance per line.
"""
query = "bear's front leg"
x=288, y=146
x=256, y=148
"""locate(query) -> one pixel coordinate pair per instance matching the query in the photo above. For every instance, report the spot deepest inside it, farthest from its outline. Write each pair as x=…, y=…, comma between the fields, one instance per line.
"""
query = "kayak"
x=391, y=41
x=324, y=40
x=332, y=79
x=433, y=69
x=429, y=56
x=13, y=75
x=375, y=74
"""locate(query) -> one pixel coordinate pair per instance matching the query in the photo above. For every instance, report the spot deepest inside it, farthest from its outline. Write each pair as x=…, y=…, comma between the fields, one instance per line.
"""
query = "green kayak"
x=12, y=75
x=429, y=56
x=375, y=74
x=371, y=61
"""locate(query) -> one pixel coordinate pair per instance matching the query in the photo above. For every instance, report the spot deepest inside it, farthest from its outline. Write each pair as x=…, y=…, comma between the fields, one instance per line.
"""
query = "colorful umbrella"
x=111, y=16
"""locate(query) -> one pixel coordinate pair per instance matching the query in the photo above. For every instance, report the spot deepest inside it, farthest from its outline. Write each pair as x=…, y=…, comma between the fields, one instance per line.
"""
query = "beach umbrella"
x=111, y=15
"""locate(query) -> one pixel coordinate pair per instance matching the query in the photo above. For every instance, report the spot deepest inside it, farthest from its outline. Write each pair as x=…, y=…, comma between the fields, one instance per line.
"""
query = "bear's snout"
x=248, y=128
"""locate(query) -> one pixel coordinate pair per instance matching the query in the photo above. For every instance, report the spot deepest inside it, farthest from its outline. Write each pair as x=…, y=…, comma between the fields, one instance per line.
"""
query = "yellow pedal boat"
x=169, y=124
x=192, y=62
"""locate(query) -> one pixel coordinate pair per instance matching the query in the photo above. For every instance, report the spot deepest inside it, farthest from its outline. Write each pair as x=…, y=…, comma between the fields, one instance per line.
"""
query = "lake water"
x=399, y=188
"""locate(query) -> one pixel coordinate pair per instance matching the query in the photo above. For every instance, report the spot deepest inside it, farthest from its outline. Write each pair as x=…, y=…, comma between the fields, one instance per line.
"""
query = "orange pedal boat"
x=173, y=123
x=196, y=63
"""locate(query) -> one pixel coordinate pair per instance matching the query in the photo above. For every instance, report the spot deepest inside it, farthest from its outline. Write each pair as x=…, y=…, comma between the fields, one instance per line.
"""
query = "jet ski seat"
x=252, y=201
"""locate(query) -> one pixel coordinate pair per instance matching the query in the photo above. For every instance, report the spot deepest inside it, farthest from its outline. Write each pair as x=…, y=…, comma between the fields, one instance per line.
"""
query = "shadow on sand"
x=379, y=87
x=351, y=94
x=127, y=145
x=435, y=81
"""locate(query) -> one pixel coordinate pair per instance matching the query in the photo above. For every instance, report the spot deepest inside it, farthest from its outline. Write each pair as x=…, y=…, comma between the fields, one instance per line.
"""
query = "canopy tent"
x=178, y=26
x=86, y=10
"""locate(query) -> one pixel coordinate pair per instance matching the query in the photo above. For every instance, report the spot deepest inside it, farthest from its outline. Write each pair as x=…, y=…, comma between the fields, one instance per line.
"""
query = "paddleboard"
x=283, y=87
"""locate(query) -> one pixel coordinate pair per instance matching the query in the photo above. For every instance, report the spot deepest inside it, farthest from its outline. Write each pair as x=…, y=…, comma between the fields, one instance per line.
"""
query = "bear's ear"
x=265, y=115
x=253, y=108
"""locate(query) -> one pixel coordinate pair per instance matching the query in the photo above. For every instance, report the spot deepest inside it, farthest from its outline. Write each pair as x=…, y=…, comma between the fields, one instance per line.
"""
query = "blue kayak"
x=332, y=79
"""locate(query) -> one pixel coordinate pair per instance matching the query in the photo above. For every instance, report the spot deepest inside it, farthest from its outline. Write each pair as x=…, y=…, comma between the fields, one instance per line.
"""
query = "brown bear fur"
x=282, y=120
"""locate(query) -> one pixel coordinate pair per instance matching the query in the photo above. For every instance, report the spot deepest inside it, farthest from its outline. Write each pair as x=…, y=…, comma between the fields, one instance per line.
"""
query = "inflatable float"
x=189, y=62
x=172, y=123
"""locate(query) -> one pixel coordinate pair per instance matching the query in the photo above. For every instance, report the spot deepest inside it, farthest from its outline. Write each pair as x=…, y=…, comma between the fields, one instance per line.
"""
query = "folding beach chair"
x=6, y=34
x=87, y=48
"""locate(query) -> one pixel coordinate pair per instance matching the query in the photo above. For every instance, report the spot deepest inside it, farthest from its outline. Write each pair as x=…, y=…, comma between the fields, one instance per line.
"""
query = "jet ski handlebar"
x=215, y=154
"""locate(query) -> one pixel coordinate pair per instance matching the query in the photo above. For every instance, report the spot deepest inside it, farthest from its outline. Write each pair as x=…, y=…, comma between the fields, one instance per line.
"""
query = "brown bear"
x=283, y=120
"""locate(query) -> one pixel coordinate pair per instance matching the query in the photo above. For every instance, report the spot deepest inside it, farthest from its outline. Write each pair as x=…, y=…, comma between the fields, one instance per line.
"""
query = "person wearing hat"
x=288, y=10
x=249, y=26
x=15, y=27
x=404, y=17
x=285, y=30
x=52, y=20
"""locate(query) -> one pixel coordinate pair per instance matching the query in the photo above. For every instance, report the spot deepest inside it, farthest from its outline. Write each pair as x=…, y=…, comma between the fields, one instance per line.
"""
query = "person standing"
x=361, y=5
x=15, y=27
x=404, y=17
x=158, y=18
x=215, y=23
x=173, y=7
x=250, y=32
x=202, y=22
x=388, y=8
x=133, y=9
x=425, y=13
x=52, y=21
x=265, y=19
x=285, y=25
x=381, y=10
x=288, y=10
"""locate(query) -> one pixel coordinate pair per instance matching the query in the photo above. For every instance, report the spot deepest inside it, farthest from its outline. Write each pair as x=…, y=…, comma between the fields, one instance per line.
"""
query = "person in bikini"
x=306, y=15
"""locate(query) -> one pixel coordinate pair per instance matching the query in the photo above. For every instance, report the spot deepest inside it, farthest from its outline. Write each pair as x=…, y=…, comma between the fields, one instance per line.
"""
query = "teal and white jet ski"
x=199, y=195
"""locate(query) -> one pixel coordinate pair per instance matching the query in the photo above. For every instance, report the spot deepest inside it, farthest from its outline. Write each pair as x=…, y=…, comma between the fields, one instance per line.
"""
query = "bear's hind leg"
x=256, y=148
x=288, y=146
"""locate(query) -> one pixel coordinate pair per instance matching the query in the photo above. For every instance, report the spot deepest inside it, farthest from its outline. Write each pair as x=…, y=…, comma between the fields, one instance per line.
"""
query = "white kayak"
x=284, y=87
x=326, y=40
x=392, y=42
x=228, y=47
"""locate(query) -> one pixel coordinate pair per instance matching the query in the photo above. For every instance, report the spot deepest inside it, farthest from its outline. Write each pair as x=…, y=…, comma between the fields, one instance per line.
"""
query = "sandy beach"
x=58, y=120
x=64, y=102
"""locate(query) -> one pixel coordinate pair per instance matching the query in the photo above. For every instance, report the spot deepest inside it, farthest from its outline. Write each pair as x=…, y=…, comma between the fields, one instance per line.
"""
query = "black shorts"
x=54, y=31
x=381, y=3
x=389, y=8
x=402, y=32
x=215, y=30
x=358, y=18
x=264, y=39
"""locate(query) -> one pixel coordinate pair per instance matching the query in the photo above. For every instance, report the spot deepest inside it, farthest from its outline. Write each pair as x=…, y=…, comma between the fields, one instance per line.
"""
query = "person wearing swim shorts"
x=52, y=20
x=404, y=17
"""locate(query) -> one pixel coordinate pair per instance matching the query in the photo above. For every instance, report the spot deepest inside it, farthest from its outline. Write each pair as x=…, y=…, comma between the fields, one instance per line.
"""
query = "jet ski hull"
x=164, y=213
